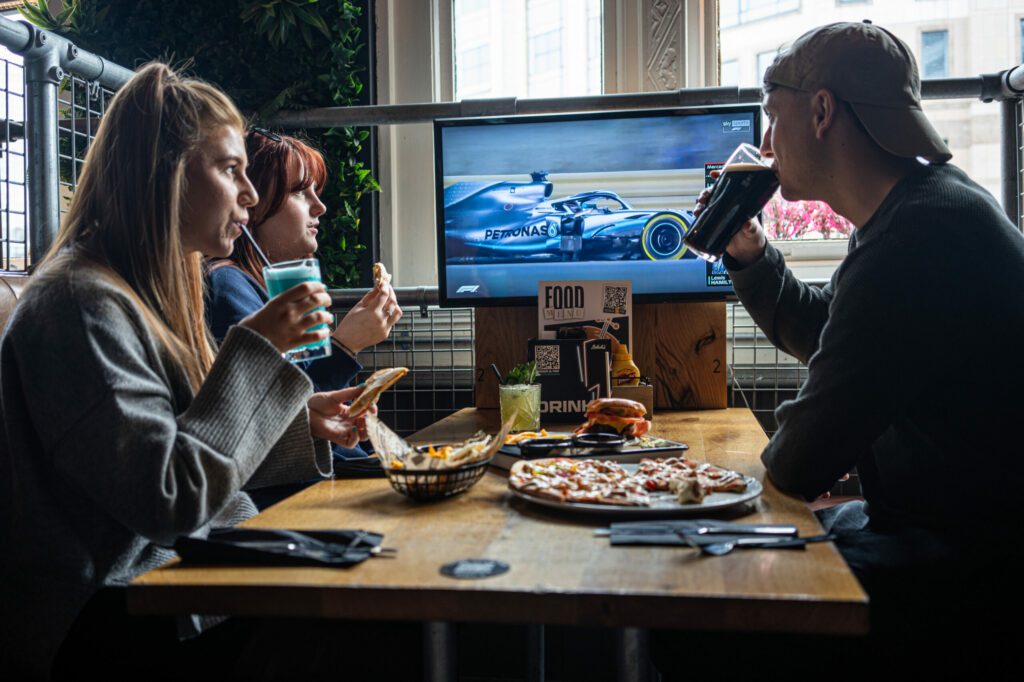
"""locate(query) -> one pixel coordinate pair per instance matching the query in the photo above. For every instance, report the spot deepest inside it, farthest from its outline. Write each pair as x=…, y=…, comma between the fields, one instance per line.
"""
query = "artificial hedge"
x=269, y=55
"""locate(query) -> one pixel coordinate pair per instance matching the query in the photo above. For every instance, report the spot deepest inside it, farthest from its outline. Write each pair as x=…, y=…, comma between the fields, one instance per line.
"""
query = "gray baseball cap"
x=874, y=71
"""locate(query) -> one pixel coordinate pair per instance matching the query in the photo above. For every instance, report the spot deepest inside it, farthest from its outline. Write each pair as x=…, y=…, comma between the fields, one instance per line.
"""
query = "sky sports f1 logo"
x=468, y=289
x=739, y=125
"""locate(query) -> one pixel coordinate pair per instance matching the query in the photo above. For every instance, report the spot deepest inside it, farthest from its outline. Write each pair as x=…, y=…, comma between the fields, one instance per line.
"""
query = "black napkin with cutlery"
x=704, y=531
x=281, y=547
x=358, y=467
x=709, y=535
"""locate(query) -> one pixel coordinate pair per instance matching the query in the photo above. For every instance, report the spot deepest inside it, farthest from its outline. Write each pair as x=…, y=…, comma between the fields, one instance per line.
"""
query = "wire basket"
x=437, y=484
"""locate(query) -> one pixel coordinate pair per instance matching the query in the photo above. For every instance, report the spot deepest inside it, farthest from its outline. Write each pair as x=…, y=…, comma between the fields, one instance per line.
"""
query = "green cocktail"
x=281, y=277
x=524, y=400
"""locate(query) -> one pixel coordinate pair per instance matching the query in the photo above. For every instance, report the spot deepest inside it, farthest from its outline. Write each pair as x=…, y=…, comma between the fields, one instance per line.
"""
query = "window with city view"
x=527, y=48
x=949, y=40
x=736, y=12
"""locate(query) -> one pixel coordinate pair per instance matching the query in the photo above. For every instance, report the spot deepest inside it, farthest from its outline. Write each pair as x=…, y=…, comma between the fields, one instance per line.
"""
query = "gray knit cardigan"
x=107, y=456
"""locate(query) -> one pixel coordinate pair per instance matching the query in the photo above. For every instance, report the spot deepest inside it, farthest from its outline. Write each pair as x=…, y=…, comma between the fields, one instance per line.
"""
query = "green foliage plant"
x=270, y=56
x=525, y=373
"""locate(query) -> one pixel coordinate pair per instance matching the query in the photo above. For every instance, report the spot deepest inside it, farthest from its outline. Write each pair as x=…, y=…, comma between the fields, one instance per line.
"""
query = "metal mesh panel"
x=760, y=376
x=438, y=350
x=13, y=194
x=80, y=106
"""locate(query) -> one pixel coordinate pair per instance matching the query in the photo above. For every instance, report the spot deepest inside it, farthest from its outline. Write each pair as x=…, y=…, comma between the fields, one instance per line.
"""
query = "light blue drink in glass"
x=281, y=277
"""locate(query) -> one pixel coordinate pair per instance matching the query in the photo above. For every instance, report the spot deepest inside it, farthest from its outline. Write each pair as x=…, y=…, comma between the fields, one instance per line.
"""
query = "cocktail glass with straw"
x=283, y=276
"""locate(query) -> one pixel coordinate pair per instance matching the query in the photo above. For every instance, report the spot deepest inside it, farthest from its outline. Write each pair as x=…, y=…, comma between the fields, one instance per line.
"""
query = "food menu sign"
x=585, y=308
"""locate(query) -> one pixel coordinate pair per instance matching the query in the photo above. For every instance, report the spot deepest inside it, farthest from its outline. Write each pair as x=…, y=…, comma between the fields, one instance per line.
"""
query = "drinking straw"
x=252, y=240
x=496, y=372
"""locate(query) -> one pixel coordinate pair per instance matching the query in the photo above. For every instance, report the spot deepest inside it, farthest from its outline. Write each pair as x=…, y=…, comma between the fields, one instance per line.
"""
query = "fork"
x=723, y=548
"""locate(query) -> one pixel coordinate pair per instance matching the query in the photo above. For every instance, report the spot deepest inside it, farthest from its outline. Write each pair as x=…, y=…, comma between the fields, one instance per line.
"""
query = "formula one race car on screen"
x=517, y=221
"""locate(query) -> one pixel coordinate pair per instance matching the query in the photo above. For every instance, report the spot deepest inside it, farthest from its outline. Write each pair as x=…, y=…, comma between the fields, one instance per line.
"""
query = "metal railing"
x=80, y=106
x=13, y=164
x=51, y=64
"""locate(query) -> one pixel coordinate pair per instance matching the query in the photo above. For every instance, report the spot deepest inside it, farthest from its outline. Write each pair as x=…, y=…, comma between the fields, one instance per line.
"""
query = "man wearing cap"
x=912, y=347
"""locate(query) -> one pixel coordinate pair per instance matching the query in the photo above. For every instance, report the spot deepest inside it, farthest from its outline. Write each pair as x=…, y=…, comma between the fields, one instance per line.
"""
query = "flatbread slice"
x=378, y=382
x=381, y=276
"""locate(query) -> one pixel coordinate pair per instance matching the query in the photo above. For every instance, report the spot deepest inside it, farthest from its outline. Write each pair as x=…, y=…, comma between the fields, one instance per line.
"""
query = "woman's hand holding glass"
x=286, y=319
x=328, y=417
x=370, y=321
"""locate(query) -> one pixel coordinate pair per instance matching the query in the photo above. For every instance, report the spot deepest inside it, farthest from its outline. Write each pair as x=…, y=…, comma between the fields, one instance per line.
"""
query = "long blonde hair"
x=126, y=212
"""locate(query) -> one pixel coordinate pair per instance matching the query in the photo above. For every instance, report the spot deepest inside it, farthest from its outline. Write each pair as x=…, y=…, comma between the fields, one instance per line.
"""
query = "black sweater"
x=913, y=350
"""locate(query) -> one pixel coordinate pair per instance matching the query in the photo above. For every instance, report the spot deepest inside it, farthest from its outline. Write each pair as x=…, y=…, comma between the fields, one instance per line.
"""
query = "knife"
x=698, y=527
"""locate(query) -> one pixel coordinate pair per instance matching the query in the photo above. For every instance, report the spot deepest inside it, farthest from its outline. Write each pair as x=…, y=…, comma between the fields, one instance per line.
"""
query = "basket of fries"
x=432, y=472
x=434, y=484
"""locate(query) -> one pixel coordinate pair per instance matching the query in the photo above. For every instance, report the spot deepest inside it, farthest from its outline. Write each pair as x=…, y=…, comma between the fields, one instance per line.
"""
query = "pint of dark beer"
x=741, y=191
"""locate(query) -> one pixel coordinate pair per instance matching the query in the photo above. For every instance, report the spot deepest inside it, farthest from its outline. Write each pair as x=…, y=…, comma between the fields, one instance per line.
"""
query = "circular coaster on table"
x=469, y=569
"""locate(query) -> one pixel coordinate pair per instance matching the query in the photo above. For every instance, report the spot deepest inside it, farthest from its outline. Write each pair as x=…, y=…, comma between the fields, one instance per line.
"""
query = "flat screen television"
x=579, y=196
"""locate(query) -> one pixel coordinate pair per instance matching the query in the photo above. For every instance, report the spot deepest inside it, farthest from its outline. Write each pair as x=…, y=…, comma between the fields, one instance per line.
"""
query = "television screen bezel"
x=523, y=301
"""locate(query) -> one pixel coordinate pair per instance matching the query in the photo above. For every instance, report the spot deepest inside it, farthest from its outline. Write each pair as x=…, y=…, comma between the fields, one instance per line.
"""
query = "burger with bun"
x=615, y=415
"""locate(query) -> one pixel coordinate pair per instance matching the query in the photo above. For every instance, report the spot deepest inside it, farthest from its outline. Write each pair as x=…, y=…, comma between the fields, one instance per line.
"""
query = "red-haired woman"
x=289, y=176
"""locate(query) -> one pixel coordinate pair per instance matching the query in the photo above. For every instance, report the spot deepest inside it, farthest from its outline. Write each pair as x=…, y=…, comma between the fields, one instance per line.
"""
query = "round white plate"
x=662, y=504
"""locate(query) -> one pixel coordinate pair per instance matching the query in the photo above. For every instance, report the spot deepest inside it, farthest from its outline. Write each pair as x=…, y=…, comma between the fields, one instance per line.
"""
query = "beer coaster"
x=471, y=569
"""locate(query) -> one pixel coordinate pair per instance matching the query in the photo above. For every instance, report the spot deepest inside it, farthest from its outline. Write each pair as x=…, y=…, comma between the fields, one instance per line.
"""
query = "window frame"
x=1020, y=37
x=948, y=65
x=483, y=65
x=721, y=78
x=739, y=13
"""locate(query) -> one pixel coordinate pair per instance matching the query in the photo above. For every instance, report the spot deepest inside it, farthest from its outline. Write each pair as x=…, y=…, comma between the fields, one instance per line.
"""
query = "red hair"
x=277, y=168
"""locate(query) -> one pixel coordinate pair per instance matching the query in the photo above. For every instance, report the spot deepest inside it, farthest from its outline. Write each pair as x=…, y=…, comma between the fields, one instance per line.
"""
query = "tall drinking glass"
x=522, y=400
x=746, y=184
x=283, y=276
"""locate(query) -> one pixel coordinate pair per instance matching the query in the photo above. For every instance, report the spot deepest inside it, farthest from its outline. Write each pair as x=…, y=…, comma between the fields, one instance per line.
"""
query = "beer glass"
x=281, y=277
x=746, y=184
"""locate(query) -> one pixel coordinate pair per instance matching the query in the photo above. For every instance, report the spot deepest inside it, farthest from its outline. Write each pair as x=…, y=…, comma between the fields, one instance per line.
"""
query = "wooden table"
x=560, y=572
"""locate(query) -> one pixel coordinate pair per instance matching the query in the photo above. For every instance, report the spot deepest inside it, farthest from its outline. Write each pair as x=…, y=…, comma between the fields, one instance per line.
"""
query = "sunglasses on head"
x=269, y=134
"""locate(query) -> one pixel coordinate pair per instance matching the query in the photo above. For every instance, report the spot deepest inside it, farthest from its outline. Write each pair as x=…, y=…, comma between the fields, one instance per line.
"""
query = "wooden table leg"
x=632, y=656
x=535, y=653
x=439, y=651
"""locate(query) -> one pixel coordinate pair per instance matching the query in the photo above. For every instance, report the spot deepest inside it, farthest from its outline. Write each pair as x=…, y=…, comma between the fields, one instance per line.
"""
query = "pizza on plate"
x=603, y=482
x=659, y=473
x=591, y=481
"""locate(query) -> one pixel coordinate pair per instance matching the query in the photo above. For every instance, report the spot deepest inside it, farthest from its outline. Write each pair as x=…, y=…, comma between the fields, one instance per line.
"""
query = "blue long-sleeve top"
x=234, y=295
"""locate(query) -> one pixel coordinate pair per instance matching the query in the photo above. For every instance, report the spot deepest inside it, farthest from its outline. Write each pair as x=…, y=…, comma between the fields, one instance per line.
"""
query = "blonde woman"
x=122, y=429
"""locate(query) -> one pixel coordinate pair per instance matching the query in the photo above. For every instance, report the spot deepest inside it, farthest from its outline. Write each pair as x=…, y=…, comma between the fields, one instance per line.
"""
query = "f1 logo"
x=468, y=289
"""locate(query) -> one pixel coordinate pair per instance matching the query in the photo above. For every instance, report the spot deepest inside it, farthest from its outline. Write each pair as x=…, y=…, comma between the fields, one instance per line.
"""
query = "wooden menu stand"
x=680, y=346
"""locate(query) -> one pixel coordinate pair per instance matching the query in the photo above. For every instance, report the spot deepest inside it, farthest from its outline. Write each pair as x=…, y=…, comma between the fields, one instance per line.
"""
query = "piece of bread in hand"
x=381, y=276
x=377, y=383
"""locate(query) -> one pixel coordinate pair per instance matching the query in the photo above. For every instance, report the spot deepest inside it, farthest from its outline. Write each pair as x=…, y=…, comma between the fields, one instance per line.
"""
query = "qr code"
x=548, y=361
x=615, y=300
